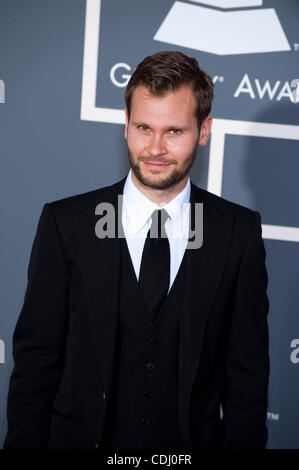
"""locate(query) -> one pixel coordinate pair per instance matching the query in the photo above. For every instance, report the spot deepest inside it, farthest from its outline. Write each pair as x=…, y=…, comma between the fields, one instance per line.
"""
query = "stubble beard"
x=175, y=177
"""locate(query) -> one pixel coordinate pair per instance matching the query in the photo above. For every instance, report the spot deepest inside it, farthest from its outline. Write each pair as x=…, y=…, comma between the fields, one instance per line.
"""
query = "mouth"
x=156, y=164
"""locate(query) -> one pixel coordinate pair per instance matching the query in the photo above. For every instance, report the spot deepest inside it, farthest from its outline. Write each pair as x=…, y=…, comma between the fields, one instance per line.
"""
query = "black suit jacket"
x=64, y=341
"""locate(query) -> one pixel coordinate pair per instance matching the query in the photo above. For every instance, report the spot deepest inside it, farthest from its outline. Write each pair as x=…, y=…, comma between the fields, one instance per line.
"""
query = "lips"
x=156, y=164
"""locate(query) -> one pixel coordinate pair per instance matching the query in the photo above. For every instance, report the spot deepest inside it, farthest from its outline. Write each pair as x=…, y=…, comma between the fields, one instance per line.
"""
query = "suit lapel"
x=100, y=264
x=204, y=268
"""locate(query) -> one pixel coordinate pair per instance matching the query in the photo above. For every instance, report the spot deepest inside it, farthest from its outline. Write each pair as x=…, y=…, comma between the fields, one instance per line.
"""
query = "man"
x=146, y=341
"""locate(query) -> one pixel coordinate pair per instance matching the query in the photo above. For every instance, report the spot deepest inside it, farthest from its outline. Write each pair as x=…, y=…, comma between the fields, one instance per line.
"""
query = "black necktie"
x=155, y=264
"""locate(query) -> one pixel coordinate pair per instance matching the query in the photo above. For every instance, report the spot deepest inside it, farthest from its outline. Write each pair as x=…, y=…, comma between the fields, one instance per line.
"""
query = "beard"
x=175, y=177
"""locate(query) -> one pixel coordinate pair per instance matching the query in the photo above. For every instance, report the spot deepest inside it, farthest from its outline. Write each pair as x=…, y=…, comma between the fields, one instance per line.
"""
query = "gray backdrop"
x=63, y=68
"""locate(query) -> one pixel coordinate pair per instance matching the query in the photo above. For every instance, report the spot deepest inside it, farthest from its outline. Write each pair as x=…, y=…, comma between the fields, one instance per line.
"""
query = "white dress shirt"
x=136, y=220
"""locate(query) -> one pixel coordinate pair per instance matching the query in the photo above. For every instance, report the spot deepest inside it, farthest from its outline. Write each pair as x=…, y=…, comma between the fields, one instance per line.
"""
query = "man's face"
x=163, y=136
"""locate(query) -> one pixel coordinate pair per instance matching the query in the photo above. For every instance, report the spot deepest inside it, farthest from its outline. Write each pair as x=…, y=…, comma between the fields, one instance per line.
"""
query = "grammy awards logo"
x=221, y=32
x=220, y=27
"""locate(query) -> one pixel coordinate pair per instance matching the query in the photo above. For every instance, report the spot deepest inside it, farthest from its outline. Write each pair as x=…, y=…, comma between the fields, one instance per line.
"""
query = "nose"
x=157, y=145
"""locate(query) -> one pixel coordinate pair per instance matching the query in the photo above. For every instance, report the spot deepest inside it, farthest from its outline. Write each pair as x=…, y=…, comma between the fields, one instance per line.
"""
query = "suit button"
x=145, y=420
x=148, y=394
x=104, y=396
x=153, y=339
x=97, y=445
x=150, y=366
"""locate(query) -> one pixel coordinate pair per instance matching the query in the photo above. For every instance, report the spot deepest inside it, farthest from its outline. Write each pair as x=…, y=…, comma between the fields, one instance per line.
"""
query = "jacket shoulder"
x=64, y=210
x=246, y=220
x=88, y=200
x=223, y=205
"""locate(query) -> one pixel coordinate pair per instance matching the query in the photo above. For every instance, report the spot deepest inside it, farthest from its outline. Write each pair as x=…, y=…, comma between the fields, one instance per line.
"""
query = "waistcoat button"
x=145, y=420
x=153, y=339
x=150, y=366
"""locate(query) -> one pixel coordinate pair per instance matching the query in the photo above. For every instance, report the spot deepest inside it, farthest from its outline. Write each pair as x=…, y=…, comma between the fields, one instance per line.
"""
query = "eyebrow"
x=175, y=126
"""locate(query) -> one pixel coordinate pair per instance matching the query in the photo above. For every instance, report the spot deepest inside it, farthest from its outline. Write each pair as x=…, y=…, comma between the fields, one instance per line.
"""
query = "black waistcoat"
x=143, y=408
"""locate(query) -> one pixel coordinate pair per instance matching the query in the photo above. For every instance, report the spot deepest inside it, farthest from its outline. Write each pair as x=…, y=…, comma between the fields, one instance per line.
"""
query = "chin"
x=157, y=181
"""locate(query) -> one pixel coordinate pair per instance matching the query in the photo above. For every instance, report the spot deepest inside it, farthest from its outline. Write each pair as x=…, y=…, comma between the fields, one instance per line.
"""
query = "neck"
x=160, y=196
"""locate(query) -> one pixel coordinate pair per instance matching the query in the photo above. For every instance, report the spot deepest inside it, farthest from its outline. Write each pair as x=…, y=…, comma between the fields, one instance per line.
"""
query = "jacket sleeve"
x=39, y=340
x=244, y=401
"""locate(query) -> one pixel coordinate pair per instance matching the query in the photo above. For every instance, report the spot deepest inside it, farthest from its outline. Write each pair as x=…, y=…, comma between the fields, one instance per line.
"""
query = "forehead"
x=180, y=103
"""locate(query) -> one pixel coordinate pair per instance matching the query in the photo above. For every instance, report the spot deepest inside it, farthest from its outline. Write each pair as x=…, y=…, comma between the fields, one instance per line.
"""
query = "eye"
x=143, y=127
x=175, y=131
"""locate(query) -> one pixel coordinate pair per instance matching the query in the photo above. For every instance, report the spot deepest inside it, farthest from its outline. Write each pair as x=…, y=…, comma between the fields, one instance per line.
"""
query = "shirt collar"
x=138, y=208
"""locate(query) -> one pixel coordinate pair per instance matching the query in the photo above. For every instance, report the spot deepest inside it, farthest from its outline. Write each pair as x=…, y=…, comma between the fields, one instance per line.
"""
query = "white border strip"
x=89, y=111
x=277, y=232
x=223, y=127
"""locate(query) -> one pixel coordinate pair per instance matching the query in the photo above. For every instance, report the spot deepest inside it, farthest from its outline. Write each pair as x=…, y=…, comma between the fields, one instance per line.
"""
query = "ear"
x=127, y=122
x=205, y=131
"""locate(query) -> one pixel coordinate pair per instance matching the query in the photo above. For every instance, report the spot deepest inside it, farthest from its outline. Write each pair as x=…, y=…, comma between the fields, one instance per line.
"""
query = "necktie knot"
x=157, y=230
